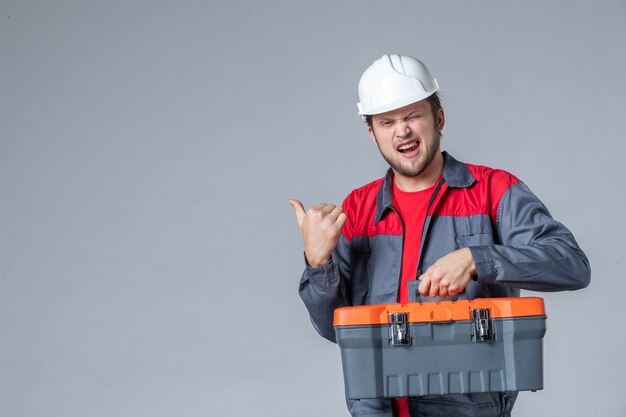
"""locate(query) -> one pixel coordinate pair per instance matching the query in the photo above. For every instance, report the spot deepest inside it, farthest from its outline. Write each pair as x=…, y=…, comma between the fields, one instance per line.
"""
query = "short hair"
x=433, y=100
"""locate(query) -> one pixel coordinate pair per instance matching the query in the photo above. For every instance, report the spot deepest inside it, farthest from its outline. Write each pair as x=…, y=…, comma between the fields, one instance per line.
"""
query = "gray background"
x=149, y=260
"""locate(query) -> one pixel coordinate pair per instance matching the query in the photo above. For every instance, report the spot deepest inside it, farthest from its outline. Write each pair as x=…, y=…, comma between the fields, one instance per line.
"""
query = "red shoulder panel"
x=482, y=197
x=360, y=208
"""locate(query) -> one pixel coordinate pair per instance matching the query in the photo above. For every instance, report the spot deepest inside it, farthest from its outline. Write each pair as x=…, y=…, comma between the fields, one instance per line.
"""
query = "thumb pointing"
x=299, y=210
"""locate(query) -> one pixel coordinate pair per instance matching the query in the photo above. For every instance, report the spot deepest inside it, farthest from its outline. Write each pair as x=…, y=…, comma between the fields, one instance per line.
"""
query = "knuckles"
x=314, y=214
x=318, y=219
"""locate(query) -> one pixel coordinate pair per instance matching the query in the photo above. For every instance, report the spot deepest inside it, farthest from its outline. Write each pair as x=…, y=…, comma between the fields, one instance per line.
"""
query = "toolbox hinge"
x=399, y=329
x=482, y=324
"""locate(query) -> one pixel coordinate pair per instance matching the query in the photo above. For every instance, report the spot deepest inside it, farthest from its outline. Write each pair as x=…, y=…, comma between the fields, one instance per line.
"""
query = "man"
x=433, y=228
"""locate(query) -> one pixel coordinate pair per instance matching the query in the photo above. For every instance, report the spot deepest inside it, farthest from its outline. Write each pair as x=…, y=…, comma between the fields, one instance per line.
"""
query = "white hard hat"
x=394, y=81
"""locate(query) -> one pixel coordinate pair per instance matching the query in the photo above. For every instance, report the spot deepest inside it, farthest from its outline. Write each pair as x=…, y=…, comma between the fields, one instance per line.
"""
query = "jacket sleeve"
x=535, y=252
x=326, y=288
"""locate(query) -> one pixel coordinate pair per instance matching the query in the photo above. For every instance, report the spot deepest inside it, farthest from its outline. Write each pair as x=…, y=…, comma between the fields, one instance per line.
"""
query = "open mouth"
x=408, y=147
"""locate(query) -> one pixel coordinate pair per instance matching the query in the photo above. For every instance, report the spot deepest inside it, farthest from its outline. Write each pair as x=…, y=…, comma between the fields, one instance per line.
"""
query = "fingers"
x=443, y=292
x=324, y=207
x=435, y=284
x=332, y=212
x=434, y=289
x=449, y=275
x=329, y=217
x=424, y=287
x=338, y=215
x=341, y=219
x=431, y=287
x=299, y=210
x=320, y=226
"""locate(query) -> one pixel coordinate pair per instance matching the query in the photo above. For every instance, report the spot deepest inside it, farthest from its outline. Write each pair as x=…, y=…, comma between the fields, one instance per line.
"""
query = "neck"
x=424, y=180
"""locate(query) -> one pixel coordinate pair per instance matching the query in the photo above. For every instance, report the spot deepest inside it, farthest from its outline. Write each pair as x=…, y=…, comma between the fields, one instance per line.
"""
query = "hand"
x=449, y=275
x=321, y=228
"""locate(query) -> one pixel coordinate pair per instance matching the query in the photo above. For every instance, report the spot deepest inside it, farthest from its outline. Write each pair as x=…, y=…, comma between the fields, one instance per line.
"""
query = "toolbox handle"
x=415, y=296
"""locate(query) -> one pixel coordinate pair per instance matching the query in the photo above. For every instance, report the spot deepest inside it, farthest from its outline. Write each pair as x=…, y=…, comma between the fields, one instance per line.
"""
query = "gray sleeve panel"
x=324, y=289
x=535, y=252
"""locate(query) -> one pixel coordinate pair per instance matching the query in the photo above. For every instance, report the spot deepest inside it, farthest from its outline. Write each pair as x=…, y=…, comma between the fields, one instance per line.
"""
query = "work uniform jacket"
x=515, y=243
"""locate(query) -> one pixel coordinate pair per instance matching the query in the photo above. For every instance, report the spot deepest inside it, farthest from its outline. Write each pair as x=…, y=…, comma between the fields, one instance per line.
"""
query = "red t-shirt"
x=412, y=207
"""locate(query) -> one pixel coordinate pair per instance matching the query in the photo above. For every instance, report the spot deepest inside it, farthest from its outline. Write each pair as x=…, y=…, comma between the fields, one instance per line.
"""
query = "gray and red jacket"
x=515, y=243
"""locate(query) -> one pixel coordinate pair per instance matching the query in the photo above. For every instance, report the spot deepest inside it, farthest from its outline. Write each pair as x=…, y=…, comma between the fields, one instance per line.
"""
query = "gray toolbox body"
x=483, y=345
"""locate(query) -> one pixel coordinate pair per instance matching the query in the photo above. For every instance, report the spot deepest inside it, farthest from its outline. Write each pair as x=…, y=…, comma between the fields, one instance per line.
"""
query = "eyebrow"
x=391, y=119
x=400, y=117
x=417, y=111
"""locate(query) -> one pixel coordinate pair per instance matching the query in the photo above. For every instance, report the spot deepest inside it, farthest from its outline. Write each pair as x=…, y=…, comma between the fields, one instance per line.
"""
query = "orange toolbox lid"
x=440, y=310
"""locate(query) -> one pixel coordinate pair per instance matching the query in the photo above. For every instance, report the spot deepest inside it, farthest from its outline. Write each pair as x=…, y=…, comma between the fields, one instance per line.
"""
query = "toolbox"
x=445, y=347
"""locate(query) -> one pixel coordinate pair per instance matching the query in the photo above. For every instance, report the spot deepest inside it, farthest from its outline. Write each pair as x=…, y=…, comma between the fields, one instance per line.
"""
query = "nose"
x=402, y=129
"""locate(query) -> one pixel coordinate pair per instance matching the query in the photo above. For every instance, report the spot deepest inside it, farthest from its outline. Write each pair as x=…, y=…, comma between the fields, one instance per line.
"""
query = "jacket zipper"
x=402, y=252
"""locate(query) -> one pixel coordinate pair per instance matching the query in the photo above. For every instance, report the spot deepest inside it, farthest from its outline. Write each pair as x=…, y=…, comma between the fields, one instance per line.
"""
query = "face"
x=408, y=138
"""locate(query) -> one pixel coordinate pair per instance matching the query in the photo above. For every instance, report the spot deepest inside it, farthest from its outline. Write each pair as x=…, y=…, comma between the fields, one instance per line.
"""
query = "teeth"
x=407, y=146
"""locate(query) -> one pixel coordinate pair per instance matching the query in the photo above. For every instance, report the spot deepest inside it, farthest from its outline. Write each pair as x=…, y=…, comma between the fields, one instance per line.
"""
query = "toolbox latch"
x=399, y=329
x=482, y=324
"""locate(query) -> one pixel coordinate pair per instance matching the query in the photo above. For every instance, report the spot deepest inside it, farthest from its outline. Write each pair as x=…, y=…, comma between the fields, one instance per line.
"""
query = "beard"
x=414, y=168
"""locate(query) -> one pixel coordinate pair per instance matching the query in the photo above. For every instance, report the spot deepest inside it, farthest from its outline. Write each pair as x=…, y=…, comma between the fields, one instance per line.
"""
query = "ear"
x=370, y=131
x=441, y=120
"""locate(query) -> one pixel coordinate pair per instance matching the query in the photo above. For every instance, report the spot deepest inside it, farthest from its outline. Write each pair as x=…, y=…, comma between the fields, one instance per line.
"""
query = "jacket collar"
x=455, y=175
